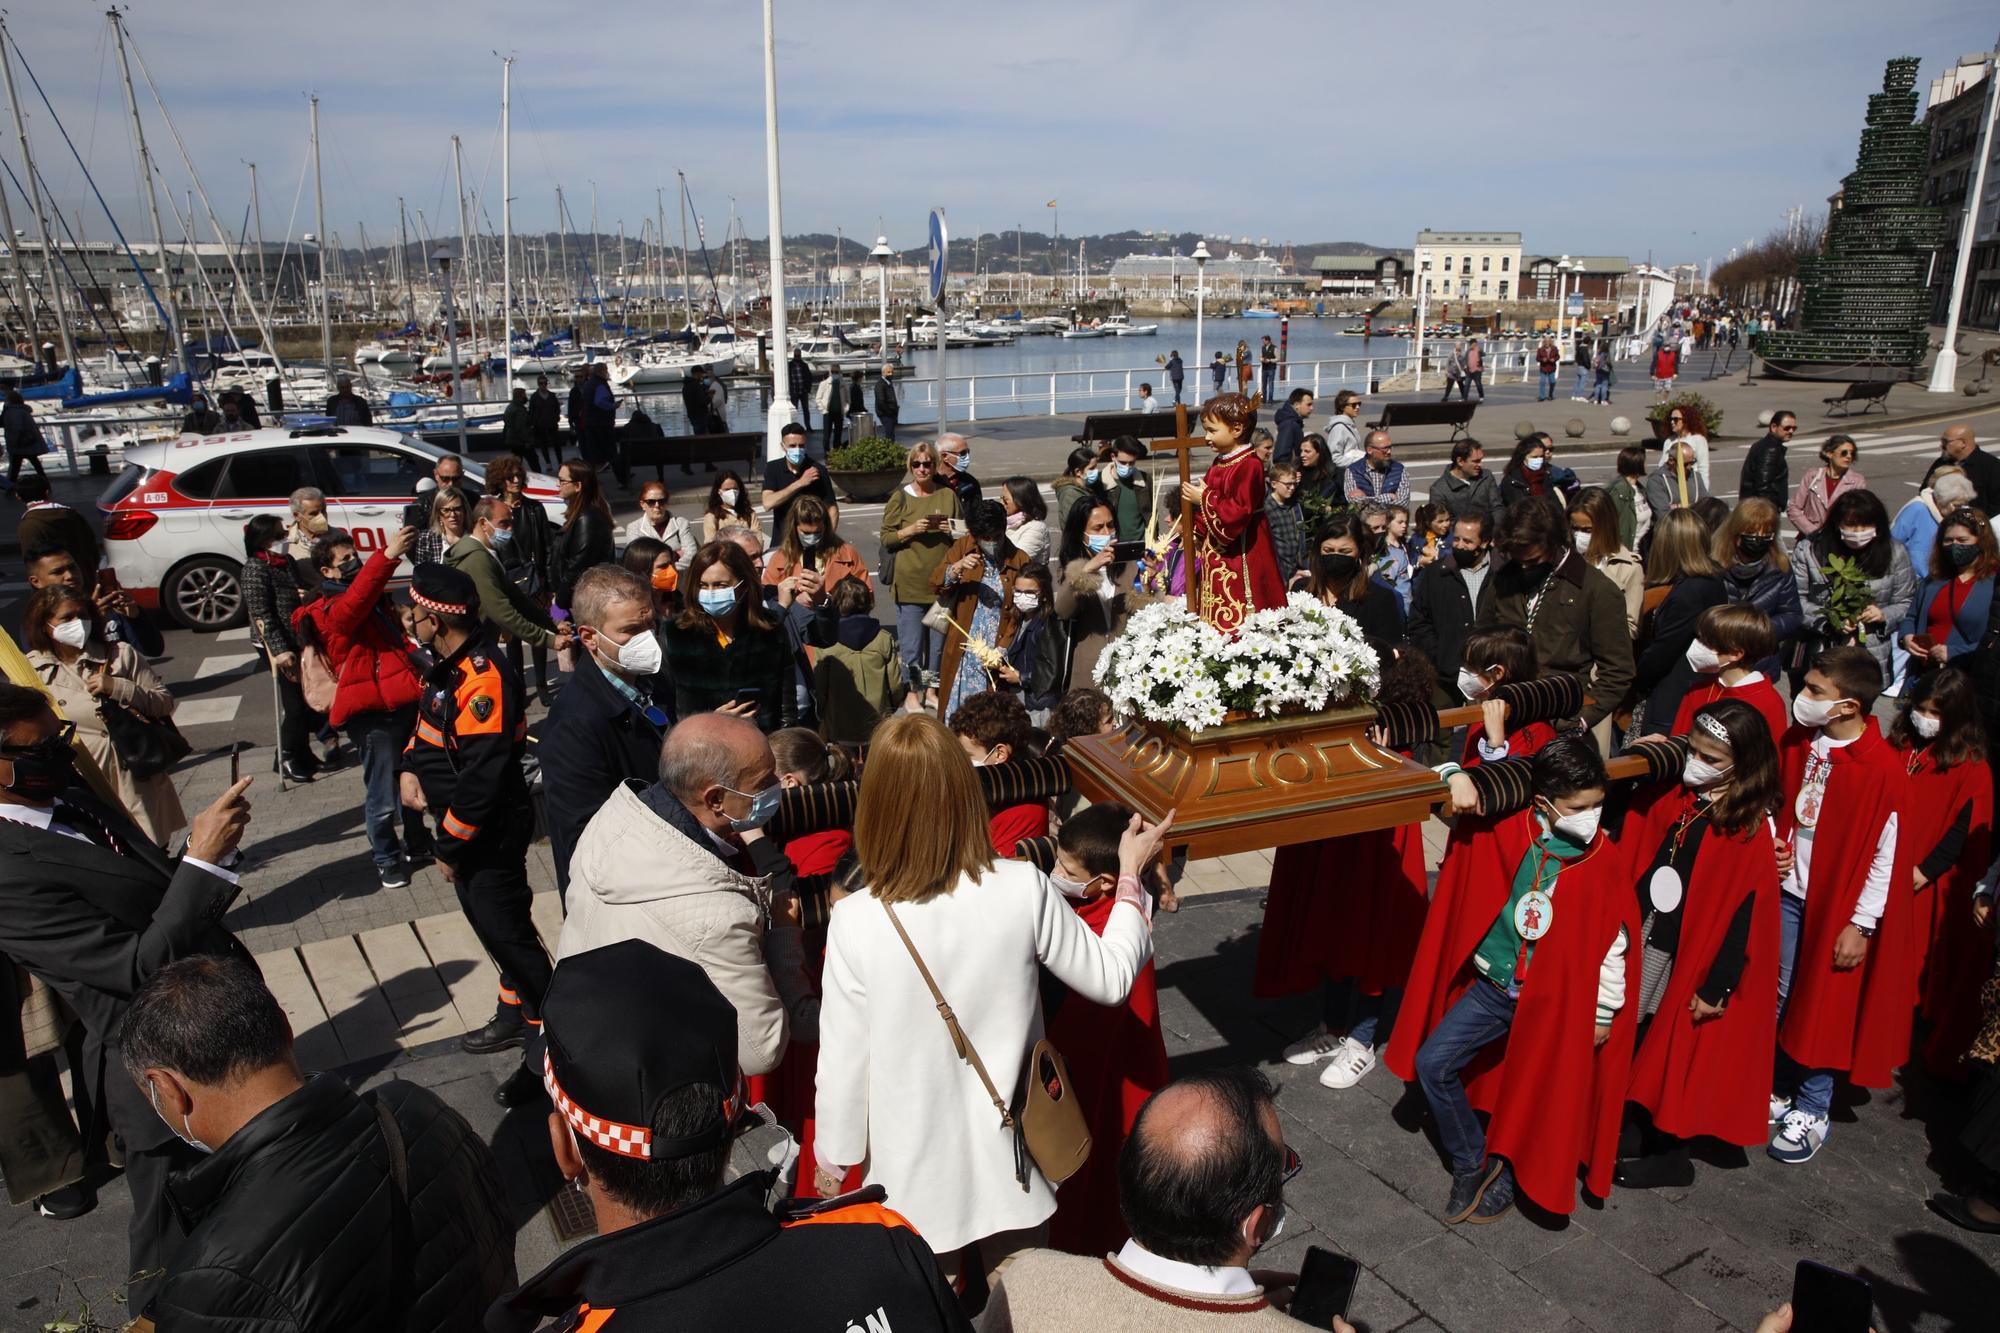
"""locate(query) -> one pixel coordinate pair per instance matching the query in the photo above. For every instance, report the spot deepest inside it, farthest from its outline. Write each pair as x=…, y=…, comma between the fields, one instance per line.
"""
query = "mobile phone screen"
x=1126, y=552
x=1826, y=1300
x=1326, y=1285
x=749, y=696
x=235, y=765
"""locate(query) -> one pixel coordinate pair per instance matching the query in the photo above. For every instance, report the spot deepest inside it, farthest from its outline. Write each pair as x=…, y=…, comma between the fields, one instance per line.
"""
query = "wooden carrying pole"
x=1183, y=444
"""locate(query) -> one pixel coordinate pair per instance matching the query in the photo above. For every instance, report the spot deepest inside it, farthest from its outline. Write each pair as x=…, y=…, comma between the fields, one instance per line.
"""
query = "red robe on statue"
x=1556, y=1099
x=1760, y=694
x=1117, y=1058
x=1234, y=560
x=1954, y=956
x=1857, y=1020
x=1712, y=1077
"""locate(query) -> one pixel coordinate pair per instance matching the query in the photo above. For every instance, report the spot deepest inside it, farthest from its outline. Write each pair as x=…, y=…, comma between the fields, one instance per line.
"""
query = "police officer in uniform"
x=464, y=761
x=641, y=1068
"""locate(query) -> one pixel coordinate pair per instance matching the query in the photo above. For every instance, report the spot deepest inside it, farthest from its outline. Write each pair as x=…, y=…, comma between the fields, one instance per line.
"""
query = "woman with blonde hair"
x=1594, y=525
x=894, y=1095
x=451, y=511
x=1757, y=572
x=1682, y=581
x=1813, y=501
x=916, y=533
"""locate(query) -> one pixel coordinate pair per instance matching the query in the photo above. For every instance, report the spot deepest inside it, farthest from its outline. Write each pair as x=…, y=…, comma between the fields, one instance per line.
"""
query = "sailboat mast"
x=17, y=277
x=403, y=257
x=596, y=258
x=257, y=213
x=152, y=196
x=319, y=215
x=507, y=213
x=464, y=247
x=562, y=240
x=687, y=289
x=49, y=277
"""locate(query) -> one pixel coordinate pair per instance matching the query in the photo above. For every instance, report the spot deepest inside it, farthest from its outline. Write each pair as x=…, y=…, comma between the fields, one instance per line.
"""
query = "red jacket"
x=364, y=645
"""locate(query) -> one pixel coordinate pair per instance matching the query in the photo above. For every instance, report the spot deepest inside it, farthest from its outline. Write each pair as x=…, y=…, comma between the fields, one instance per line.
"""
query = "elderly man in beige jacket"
x=684, y=865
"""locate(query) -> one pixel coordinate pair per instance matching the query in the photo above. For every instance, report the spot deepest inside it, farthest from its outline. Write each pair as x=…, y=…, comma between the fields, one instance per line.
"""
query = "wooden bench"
x=1104, y=427
x=1456, y=415
x=736, y=448
x=1871, y=394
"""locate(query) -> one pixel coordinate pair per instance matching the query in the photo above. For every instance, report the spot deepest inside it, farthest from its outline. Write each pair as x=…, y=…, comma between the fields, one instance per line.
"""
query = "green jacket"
x=502, y=604
x=916, y=558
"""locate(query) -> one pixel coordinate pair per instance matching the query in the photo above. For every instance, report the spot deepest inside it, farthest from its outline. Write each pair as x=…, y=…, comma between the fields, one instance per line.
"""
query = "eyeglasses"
x=1292, y=1165
x=651, y=500
x=924, y=466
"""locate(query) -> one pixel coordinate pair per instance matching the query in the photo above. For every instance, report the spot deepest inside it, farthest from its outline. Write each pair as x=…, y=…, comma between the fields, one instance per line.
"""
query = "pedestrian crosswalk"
x=221, y=664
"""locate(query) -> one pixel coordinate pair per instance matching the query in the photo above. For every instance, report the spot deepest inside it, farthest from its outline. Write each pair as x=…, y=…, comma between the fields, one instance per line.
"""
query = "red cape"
x=1343, y=907
x=1011, y=824
x=1710, y=1078
x=1760, y=694
x=1858, y=1020
x=1117, y=1058
x=1555, y=1101
x=1953, y=956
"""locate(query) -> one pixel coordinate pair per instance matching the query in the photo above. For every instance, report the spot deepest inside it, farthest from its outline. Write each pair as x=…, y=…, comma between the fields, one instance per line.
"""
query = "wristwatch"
x=1867, y=932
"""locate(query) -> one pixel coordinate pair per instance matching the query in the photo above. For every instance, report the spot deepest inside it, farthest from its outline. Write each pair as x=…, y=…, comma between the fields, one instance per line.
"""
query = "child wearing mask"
x=1847, y=968
x=1035, y=656
x=993, y=728
x=1729, y=641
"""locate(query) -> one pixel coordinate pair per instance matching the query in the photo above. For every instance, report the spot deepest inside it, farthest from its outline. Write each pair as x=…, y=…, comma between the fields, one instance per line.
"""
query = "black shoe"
x=339, y=757
x=1497, y=1201
x=498, y=1035
x=1658, y=1171
x=1468, y=1189
x=396, y=877
x=71, y=1201
x=1957, y=1210
x=293, y=773
x=522, y=1088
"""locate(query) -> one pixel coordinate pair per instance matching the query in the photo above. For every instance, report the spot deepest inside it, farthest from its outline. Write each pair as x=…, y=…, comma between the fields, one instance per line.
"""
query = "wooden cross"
x=1183, y=444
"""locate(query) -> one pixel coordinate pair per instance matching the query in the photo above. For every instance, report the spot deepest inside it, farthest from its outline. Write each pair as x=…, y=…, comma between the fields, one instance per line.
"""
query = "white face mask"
x=1535, y=463
x=1470, y=685
x=186, y=1132
x=1580, y=827
x=729, y=495
x=639, y=655
x=1925, y=724
x=1027, y=601
x=1810, y=712
x=1582, y=540
x=72, y=633
x=279, y=547
x=1703, y=658
x=1069, y=888
x=1856, y=538
x=1698, y=773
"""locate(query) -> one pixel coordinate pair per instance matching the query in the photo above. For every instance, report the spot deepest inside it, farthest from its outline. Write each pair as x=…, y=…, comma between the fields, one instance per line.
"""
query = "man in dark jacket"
x=691, y=1239
x=1766, y=473
x=1176, y=372
x=888, y=407
x=49, y=523
x=1290, y=422
x=606, y=728
x=601, y=437
x=92, y=907
x=1467, y=488
x=545, y=421
x=1451, y=596
x=348, y=408
x=799, y=378
x=201, y=419
x=694, y=402
x=1573, y=613
x=578, y=407
x=314, y=1207
x=1981, y=468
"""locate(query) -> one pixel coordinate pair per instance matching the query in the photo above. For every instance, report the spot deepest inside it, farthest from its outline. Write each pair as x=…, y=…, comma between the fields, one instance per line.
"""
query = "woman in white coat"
x=893, y=1094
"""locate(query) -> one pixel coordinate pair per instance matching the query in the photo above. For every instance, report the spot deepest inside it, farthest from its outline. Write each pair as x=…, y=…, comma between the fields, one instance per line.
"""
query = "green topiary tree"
x=1711, y=415
x=874, y=454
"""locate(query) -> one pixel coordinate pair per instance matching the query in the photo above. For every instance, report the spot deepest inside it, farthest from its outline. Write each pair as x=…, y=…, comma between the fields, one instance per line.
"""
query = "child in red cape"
x=1521, y=978
x=1729, y=641
x=800, y=756
x=1846, y=976
x=993, y=727
x=1706, y=888
x=1950, y=812
x=1346, y=913
x=1117, y=1055
x=1235, y=564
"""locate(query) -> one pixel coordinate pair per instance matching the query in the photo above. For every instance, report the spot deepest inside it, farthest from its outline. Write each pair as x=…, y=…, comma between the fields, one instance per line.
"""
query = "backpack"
x=318, y=682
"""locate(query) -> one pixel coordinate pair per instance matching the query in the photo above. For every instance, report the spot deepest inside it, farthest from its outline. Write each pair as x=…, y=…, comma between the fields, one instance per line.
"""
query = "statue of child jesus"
x=1234, y=561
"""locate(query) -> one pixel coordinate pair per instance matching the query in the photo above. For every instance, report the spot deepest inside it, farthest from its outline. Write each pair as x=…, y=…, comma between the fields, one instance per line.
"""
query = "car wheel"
x=205, y=594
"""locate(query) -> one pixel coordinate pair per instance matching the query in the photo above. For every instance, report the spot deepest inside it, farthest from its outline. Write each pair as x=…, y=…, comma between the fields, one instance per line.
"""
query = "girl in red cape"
x=1117, y=1054
x=993, y=727
x=1234, y=562
x=1846, y=974
x=1516, y=1003
x=1729, y=641
x=1706, y=892
x=1345, y=913
x=1943, y=746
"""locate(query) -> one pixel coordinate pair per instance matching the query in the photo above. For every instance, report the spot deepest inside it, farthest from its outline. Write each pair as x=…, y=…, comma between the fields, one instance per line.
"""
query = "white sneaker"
x=1350, y=1064
x=1801, y=1136
x=1314, y=1047
x=1780, y=1108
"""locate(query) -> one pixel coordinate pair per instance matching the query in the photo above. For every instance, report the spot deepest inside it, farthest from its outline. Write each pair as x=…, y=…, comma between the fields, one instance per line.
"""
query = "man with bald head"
x=1201, y=1182
x=1377, y=475
x=1962, y=451
x=684, y=865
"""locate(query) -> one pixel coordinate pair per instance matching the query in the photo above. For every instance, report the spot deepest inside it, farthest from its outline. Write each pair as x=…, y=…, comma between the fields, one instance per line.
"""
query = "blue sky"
x=1592, y=128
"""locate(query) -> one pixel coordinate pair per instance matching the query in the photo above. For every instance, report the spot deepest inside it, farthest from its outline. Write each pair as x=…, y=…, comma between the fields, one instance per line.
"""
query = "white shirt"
x=35, y=816
x=1186, y=1277
x=1149, y=405
x=1875, y=889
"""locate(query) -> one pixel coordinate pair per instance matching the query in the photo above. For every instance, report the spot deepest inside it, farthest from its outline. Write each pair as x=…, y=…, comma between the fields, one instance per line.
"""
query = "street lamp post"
x=442, y=258
x=1944, y=367
x=1562, y=288
x=1200, y=292
x=1423, y=309
x=781, y=414
x=881, y=254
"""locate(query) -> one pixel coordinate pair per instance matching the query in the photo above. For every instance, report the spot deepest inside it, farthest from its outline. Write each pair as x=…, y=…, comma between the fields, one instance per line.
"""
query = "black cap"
x=626, y=1025
x=439, y=587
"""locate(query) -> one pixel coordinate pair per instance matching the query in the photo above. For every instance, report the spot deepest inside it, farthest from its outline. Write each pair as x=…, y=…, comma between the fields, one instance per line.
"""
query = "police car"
x=173, y=519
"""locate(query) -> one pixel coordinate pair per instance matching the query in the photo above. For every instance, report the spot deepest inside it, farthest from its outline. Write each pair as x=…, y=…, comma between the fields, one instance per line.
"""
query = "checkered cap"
x=440, y=588
x=626, y=1025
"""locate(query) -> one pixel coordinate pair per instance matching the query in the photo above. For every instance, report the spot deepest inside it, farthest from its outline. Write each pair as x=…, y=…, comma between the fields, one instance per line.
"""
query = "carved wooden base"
x=1258, y=783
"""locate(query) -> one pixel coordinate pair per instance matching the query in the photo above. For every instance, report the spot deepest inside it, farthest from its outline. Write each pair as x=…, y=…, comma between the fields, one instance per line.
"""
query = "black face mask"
x=1467, y=559
x=1338, y=568
x=43, y=772
x=1753, y=546
x=1535, y=572
x=348, y=568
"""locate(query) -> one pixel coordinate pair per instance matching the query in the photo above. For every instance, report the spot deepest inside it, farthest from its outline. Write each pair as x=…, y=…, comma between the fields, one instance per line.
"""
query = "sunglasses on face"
x=1292, y=1164
x=652, y=500
x=925, y=466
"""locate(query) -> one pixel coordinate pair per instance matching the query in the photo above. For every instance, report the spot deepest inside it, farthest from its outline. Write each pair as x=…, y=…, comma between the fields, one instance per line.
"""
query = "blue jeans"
x=1548, y=389
x=1582, y=380
x=1481, y=1017
x=1270, y=382
x=918, y=647
x=381, y=737
x=1811, y=1089
x=1368, y=1019
x=1600, y=389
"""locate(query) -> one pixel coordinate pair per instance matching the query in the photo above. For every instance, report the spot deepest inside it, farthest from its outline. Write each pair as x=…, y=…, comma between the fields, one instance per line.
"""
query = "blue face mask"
x=718, y=601
x=1098, y=542
x=795, y=456
x=502, y=536
x=763, y=807
x=1125, y=471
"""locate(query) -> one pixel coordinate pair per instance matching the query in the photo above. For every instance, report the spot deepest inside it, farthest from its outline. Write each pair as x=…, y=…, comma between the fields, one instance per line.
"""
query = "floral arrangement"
x=1172, y=666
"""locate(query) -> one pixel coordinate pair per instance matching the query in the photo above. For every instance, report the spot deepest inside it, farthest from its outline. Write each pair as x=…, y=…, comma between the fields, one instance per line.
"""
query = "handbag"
x=1050, y=1126
x=146, y=746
